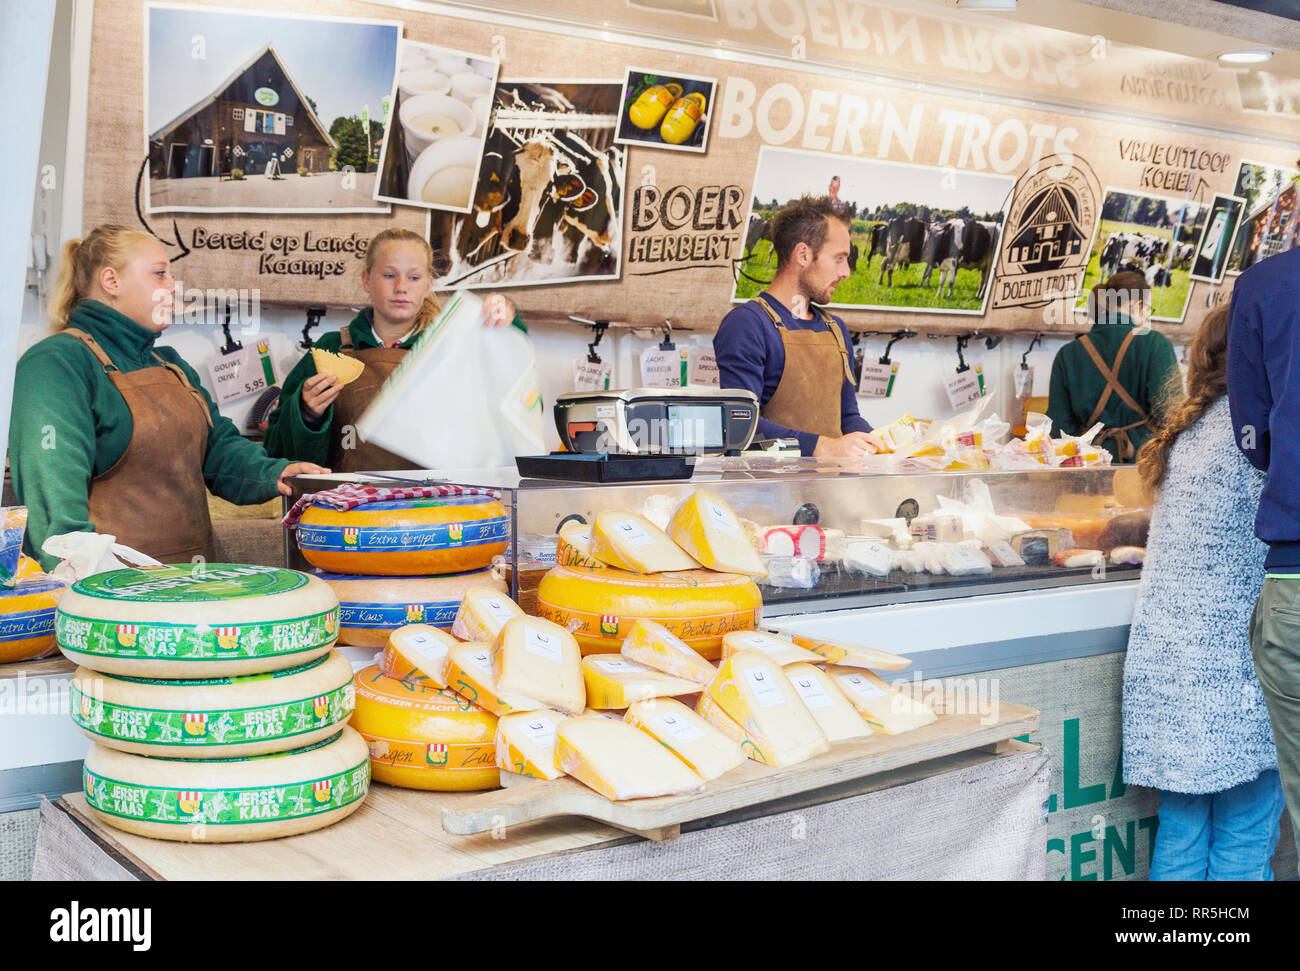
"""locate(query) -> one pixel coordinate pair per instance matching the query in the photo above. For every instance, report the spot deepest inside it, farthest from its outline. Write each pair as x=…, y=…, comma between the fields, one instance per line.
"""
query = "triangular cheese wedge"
x=834, y=713
x=697, y=743
x=573, y=546
x=613, y=681
x=780, y=650
x=751, y=688
x=346, y=369
x=418, y=652
x=482, y=613
x=631, y=542
x=885, y=708
x=621, y=762
x=539, y=659
x=525, y=744
x=851, y=655
x=711, y=712
x=653, y=645
x=706, y=528
x=469, y=674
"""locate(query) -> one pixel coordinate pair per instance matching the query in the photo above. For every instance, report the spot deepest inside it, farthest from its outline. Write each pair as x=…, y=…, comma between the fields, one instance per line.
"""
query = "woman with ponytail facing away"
x=317, y=414
x=112, y=432
x=1195, y=723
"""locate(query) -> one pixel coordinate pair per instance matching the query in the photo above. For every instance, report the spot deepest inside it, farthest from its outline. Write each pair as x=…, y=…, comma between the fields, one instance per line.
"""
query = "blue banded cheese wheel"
x=228, y=800
x=196, y=620
x=27, y=618
x=372, y=607
x=218, y=717
x=405, y=537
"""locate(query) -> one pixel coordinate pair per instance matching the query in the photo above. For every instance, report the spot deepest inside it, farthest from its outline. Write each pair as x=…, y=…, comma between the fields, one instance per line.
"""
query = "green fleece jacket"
x=70, y=424
x=289, y=432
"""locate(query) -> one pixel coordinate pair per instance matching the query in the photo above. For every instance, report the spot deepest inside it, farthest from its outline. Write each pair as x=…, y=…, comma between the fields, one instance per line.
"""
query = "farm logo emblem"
x=349, y=537
x=436, y=754
x=321, y=790
x=414, y=613
x=127, y=634
x=196, y=724
x=455, y=531
x=227, y=638
x=189, y=803
x=320, y=706
x=608, y=624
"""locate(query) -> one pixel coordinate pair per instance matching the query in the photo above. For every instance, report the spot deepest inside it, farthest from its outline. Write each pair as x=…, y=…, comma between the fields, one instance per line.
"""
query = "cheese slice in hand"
x=482, y=613
x=469, y=674
x=751, y=688
x=621, y=762
x=697, y=743
x=885, y=708
x=631, y=542
x=834, y=713
x=539, y=659
x=346, y=369
x=779, y=649
x=613, y=681
x=850, y=655
x=706, y=528
x=525, y=744
x=418, y=652
x=654, y=645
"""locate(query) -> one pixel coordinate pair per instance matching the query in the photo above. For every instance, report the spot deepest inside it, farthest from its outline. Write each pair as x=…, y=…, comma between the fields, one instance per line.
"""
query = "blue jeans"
x=1229, y=835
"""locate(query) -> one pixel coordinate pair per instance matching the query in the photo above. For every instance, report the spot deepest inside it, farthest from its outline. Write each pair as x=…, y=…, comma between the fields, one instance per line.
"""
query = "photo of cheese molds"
x=666, y=111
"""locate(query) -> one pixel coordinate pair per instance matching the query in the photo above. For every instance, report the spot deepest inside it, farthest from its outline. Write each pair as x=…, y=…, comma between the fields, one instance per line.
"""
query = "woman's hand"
x=297, y=468
x=498, y=311
x=318, y=393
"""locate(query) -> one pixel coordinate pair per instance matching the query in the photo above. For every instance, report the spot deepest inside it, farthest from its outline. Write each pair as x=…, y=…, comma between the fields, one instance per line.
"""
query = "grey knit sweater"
x=1194, y=717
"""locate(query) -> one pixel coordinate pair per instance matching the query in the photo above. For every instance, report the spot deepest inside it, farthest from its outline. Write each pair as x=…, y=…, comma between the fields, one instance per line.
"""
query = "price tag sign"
x=662, y=369
x=963, y=388
x=877, y=379
x=589, y=376
x=703, y=367
x=243, y=373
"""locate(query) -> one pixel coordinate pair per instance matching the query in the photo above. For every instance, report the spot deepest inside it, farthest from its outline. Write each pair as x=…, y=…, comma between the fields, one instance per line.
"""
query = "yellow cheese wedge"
x=469, y=674
x=751, y=688
x=346, y=369
x=706, y=528
x=541, y=660
x=482, y=614
x=693, y=740
x=655, y=646
x=418, y=652
x=631, y=542
x=851, y=655
x=525, y=744
x=834, y=713
x=885, y=708
x=621, y=762
x=780, y=650
x=573, y=546
x=711, y=712
x=613, y=681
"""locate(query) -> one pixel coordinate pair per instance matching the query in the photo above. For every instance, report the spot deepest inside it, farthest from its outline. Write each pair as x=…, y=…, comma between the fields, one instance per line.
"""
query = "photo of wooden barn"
x=256, y=115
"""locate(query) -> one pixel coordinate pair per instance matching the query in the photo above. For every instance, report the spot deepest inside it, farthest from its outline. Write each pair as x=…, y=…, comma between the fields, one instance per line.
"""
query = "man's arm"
x=1250, y=399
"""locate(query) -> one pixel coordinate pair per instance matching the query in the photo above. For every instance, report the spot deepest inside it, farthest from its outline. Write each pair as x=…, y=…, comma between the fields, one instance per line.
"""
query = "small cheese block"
x=751, y=688
x=711, y=712
x=693, y=740
x=653, y=645
x=469, y=674
x=1078, y=559
x=482, y=614
x=851, y=655
x=573, y=546
x=615, y=682
x=834, y=713
x=541, y=660
x=885, y=708
x=631, y=542
x=1128, y=555
x=779, y=649
x=806, y=541
x=621, y=762
x=525, y=744
x=706, y=528
x=418, y=652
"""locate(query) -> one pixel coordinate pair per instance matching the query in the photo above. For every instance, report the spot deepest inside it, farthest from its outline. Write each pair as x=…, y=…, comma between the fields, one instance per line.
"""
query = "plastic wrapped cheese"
x=706, y=528
x=654, y=645
x=631, y=542
x=808, y=542
x=702, y=746
x=885, y=708
x=778, y=649
x=620, y=761
x=960, y=560
x=791, y=572
x=482, y=613
x=751, y=688
x=833, y=712
x=541, y=660
x=613, y=681
x=871, y=558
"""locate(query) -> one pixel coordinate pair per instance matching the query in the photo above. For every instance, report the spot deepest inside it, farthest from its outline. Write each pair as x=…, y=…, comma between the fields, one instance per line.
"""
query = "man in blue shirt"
x=792, y=355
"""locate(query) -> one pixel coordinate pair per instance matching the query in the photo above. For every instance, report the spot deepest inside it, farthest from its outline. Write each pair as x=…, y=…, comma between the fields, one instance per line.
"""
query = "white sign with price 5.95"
x=240, y=373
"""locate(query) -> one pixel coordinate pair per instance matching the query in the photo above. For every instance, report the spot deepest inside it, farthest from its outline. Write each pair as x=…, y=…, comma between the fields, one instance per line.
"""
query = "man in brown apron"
x=792, y=355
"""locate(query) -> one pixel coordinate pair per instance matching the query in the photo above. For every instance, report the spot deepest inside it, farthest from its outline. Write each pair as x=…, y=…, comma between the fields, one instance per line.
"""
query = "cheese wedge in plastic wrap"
x=778, y=649
x=751, y=688
x=706, y=528
x=525, y=744
x=469, y=674
x=573, y=546
x=418, y=652
x=538, y=659
x=850, y=655
x=711, y=712
x=621, y=762
x=885, y=708
x=631, y=542
x=482, y=613
x=614, y=681
x=693, y=740
x=834, y=712
x=655, y=646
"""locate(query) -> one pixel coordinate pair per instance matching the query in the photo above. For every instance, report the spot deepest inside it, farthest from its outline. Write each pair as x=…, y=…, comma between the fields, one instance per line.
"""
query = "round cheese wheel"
x=215, y=718
x=228, y=800
x=27, y=618
x=196, y=620
x=422, y=737
x=405, y=537
x=599, y=605
x=371, y=608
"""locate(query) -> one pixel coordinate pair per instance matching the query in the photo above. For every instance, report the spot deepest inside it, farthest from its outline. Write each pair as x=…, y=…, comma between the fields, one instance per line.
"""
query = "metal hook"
x=962, y=341
x=314, y=316
x=667, y=343
x=901, y=335
x=1024, y=358
x=231, y=344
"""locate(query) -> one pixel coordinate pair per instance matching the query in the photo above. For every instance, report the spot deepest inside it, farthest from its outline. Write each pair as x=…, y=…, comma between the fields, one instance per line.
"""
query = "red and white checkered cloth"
x=350, y=496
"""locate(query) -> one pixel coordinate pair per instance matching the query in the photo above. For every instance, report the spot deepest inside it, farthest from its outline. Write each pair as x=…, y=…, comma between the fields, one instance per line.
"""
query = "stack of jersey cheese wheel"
x=27, y=618
x=216, y=703
x=406, y=561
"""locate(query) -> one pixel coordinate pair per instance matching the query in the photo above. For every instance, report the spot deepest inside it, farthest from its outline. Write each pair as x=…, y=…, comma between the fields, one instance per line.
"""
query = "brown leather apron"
x=1119, y=435
x=154, y=498
x=808, y=396
x=352, y=402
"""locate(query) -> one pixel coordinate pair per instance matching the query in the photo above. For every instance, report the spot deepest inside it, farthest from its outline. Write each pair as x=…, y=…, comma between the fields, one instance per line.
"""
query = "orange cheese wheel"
x=599, y=605
x=422, y=737
x=371, y=608
x=27, y=618
x=405, y=537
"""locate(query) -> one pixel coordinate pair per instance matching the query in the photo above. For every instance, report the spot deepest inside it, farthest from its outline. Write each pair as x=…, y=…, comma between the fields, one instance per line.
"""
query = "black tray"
x=611, y=467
